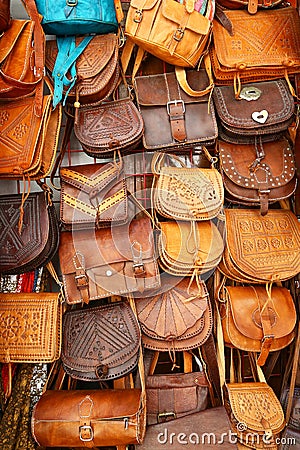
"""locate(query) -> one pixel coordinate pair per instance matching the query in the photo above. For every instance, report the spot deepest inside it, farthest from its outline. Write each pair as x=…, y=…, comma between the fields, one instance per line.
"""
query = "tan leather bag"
x=261, y=249
x=241, y=53
x=254, y=320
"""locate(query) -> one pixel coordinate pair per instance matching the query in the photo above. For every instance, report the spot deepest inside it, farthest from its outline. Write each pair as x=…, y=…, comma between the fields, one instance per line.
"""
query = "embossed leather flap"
x=179, y=316
x=38, y=240
x=100, y=343
x=264, y=107
x=262, y=248
x=31, y=327
x=93, y=195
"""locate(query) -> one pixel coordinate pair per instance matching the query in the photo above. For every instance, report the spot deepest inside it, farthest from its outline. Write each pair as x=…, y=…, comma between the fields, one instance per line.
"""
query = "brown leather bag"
x=252, y=6
x=30, y=231
x=5, y=16
x=100, y=343
x=261, y=249
x=257, y=174
x=254, y=320
x=264, y=109
x=97, y=68
x=109, y=261
x=93, y=196
x=241, y=53
x=176, y=317
x=166, y=107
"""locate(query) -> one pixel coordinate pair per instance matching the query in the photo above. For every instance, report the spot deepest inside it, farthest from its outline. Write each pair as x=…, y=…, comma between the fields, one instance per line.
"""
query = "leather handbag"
x=241, y=52
x=183, y=120
x=93, y=196
x=100, y=343
x=189, y=248
x=254, y=320
x=175, y=32
x=264, y=109
x=96, y=70
x=257, y=174
x=28, y=141
x=256, y=406
x=177, y=317
x=30, y=231
x=252, y=6
x=22, y=57
x=5, y=16
x=261, y=249
x=186, y=193
x=30, y=327
x=109, y=261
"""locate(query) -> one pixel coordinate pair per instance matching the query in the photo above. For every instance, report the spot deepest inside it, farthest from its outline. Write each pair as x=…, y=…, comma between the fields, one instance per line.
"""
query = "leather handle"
x=182, y=80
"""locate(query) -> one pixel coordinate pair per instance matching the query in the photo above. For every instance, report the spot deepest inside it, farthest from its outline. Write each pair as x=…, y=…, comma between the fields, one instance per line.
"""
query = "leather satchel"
x=241, y=52
x=93, y=196
x=257, y=174
x=97, y=68
x=254, y=320
x=36, y=242
x=176, y=317
x=109, y=261
x=183, y=120
x=100, y=343
x=264, y=109
x=186, y=193
x=5, y=17
x=189, y=248
x=30, y=327
x=261, y=249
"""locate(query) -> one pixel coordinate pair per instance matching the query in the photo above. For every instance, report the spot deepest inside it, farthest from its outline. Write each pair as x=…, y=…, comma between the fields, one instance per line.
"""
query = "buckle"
x=71, y=3
x=178, y=34
x=137, y=256
x=83, y=429
x=268, y=336
x=81, y=280
x=175, y=102
x=166, y=415
x=138, y=16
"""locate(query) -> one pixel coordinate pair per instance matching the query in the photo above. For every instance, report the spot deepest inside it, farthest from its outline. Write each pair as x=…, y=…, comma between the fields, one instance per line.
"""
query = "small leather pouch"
x=263, y=109
x=257, y=174
x=100, y=343
x=93, y=196
x=172, y=118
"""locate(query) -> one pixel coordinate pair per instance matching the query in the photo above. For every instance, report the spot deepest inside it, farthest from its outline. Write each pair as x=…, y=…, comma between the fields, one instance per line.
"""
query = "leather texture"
x=294, y=420
x=93, y=196
x=30, y=327
x=254, y=321
x=166, y=107
x=247, y=54
x=5, y=17
x=109, y=261
x=174, y=32
x=259, y=248
x=187, y=248
x=257, y=174
x=100, y=343
x=28, y=141
x=197, y=426
x=250, y=5
x=255, y=405
x=177, y=317
x=89, y=418
x=264, y=108
x=115, y=125
x=187, y=193
x=38, y=241
x=97, y=68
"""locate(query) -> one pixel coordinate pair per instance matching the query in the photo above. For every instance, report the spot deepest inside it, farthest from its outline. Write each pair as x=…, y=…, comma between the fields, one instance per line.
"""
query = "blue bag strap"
x=65, y=64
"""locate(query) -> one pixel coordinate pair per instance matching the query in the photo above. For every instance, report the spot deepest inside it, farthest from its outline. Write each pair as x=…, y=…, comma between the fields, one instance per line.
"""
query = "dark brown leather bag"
x=182, y=120
x=5, y=17
x=29, y=232
x=259, y=173
x=263, y=109
x=109, y=261
x=93, y=196
x=100, y=343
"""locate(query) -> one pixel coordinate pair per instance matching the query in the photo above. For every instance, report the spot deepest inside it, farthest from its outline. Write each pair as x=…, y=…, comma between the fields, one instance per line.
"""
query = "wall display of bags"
x=149, y=164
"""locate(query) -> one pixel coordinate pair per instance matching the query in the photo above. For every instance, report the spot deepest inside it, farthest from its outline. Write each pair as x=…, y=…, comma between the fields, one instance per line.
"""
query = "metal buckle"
x=138, y=16
x=86, y=427
x=166, y=415
x=83, y=277
x=178, y=34
x=268, y=336
x=71, y=3
x=175, y=102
